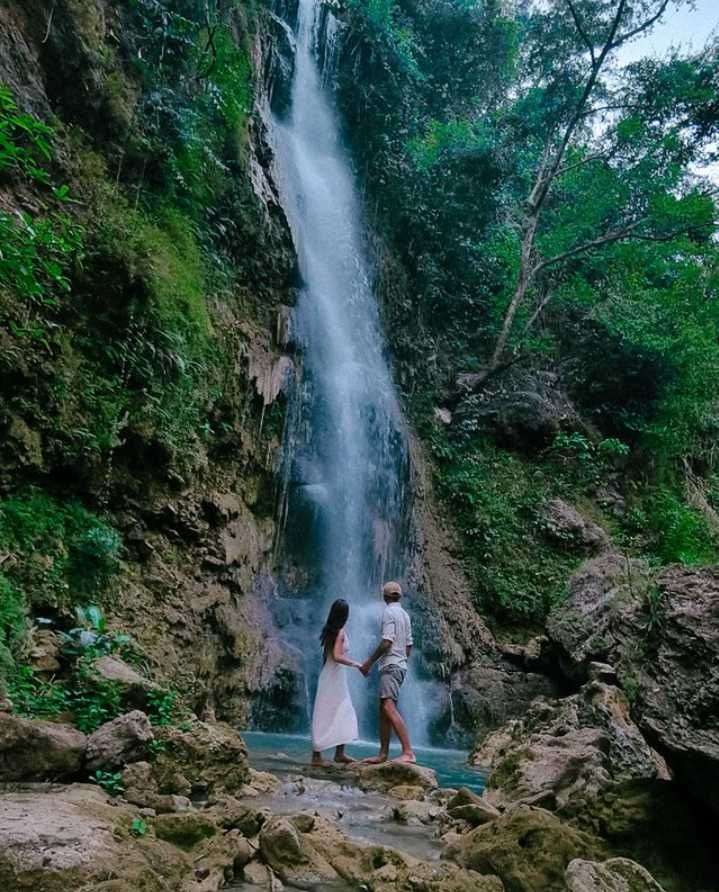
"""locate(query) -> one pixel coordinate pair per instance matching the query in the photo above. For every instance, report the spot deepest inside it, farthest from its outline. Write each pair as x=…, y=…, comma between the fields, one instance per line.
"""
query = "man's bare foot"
x=375, y=760
x=345, y=759
x=406, y=758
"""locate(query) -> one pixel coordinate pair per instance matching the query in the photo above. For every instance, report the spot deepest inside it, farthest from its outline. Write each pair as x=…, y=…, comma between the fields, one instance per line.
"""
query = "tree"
x=617, y=122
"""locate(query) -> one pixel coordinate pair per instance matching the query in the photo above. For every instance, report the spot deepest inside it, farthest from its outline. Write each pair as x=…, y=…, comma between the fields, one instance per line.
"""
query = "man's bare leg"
x=385, y=731
x=389, y=707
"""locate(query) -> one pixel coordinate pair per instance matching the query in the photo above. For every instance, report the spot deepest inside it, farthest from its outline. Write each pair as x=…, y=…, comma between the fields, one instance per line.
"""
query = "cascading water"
x=346, y=460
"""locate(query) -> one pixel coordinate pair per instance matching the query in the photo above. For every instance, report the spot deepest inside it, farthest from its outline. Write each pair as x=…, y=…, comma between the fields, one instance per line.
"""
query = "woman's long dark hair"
x=336, y=620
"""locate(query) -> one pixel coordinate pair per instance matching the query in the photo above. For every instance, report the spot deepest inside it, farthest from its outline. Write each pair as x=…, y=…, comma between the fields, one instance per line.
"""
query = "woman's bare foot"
x=407, y=758
x=375, y=760
x=343, y=759
x=318, y=761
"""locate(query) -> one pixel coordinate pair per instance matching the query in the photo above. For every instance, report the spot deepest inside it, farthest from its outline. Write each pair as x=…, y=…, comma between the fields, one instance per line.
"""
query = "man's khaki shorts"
x=390, y=681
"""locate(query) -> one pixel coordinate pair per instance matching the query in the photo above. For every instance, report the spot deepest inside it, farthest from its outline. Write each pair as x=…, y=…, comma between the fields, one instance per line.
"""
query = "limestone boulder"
x=44, y=654
x=564, y=751
x=37, y=750
x=387, y=776
x=661, y=633
x=211, y=755
x=467, y=806
x=140, y=788
x=603, y=610
x=74, y=838
x=528, y=848
x=133, y=685
x=492, y=691
x=567, y=527
x=614, y=875
x=523, y=409
x=119, y=741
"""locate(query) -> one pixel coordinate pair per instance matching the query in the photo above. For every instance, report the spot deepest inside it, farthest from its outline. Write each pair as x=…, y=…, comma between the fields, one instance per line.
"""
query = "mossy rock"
x=528, y=848
x=184, y=830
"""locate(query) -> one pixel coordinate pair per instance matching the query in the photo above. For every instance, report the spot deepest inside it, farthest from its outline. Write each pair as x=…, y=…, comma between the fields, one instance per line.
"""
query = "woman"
x=334, y=721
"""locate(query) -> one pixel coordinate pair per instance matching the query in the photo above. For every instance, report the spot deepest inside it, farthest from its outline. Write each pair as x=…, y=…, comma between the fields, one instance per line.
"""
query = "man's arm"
x=378, y=652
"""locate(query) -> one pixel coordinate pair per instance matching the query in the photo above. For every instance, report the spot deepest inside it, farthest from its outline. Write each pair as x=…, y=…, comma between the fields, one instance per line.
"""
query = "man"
x=392, y=653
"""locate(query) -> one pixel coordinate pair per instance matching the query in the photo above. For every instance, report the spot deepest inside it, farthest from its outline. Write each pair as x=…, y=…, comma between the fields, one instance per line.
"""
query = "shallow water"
x=289, y=754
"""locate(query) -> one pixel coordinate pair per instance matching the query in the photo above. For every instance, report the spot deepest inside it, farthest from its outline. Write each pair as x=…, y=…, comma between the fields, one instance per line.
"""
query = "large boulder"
x=567, y=750
x=36, y=750
x=602, y=611
x=523, y=408
x=74, y=838
x=662, y=635
x=564, y=524
x=528, y=848
x=677, y=682
x=134, y=686
x=491, y=691
x=614, y=875
x=466, y=805
x=387, y=776
x=208, y=755
x=119, y=741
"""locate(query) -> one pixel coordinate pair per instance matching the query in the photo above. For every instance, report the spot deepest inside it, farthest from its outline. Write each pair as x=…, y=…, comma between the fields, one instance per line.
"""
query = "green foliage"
x=37, y=256
x=138, y=827
x=34, y=697
x=110, y=781
x=25, y=142
x=59, y=551
x=92, y=638
x=13, y=622
x=494, y=498
x=163, y=707
x=671, y=531
x=93, y=700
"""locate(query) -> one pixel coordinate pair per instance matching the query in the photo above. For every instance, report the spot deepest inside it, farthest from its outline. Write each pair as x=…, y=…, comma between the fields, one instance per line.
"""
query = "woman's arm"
x=338, y=653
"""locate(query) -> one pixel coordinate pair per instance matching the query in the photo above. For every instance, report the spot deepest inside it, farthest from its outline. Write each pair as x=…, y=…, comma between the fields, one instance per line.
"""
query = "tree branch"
x=582, y=33
x=623, y=38
x=606, y=239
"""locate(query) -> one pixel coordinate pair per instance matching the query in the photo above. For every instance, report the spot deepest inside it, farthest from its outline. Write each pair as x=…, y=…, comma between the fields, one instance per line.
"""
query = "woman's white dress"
x=334, y=720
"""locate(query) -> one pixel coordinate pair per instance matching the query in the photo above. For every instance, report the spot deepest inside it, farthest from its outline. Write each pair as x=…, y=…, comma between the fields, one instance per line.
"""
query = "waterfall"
x=345, y=451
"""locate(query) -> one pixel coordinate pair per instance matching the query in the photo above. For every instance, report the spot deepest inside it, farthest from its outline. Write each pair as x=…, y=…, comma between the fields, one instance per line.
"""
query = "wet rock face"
x=37, y=750
x=663, y=638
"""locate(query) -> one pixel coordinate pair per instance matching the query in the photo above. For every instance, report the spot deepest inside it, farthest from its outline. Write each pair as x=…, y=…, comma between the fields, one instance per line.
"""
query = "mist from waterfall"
x=346, y=461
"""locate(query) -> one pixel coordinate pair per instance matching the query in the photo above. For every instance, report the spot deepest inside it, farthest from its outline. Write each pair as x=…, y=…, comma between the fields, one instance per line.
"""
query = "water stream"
x=346, y=457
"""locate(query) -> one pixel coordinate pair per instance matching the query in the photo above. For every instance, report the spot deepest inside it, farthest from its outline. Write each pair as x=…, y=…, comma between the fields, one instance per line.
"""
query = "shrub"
x=60, y=550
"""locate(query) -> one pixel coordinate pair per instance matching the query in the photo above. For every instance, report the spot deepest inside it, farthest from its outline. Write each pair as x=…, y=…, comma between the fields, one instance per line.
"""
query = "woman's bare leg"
x=341, y=756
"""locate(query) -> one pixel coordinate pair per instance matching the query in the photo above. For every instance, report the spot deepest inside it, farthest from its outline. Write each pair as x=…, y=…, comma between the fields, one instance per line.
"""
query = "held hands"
x=365, y=667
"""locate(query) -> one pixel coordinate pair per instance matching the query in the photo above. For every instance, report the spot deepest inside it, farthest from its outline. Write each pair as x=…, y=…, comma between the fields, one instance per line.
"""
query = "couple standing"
x=334, y=721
